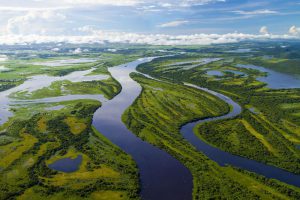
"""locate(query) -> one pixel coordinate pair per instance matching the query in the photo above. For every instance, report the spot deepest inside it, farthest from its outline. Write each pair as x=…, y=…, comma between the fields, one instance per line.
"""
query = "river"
x=161, y=175
x=224, y=158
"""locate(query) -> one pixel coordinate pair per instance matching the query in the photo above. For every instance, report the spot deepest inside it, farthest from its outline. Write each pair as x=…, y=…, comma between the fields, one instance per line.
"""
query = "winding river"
x=224, y=158
x=161, y=175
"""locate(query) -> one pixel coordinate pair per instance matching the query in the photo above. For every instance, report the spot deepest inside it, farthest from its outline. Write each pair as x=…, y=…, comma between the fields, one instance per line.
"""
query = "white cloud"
x=98, y=36
x=77, y=51
x=294, y=30
x=173, y=23
x=9, y=5
x=3, y=58
x=187, y=3
x=24, y=9
x=103, y=2
x=163, y=3
x=55, y=49
x=264, y=30
x=256, y=12
x=34, y=22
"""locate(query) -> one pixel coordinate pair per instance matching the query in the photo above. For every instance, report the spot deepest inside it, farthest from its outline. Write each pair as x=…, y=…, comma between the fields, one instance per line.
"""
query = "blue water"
x=236, y=72
x=224, y=158
x=275, y=80
x=162, y=176
x=67, y=165
x=254, y=111
x=240, y=51
x=214, y=73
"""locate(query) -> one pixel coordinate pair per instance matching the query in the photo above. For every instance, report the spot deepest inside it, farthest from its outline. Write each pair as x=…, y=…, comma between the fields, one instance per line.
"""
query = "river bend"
x=161, y=175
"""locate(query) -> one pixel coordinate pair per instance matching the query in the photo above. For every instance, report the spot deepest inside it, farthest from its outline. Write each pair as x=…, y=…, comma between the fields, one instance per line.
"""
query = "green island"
x=42, y=134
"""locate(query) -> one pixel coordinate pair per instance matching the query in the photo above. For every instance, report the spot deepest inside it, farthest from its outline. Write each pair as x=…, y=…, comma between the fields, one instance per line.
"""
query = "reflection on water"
x=66, y=62
x=239, y=51
x=236, y=72
x=67, y=165
x=186, y=65
x=41, y=81
x=224, y=158
x=214, y=73
x=275, y=80
x=162, y=176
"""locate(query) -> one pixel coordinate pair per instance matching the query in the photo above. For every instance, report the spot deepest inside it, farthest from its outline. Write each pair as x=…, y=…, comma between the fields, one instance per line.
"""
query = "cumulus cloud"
x=264, y=30
x=294, y=30
x=77, y=51
x=34, y=22
x=99, y=36
x=256, y=12
x=173, y=23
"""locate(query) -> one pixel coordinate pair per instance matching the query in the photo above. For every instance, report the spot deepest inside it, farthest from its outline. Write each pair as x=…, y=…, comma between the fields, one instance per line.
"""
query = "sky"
x=147, y=21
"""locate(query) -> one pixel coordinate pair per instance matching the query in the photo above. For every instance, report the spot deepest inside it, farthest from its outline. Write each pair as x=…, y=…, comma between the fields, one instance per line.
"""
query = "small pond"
x=67, y=165
x=214, y=73
x=236, y=72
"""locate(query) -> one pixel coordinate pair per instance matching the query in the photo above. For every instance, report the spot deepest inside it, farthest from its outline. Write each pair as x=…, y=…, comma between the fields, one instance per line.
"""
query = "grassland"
x=51, y=135
x=42, y=133
x=262, y=135
x=37, y=136
x=157, y=115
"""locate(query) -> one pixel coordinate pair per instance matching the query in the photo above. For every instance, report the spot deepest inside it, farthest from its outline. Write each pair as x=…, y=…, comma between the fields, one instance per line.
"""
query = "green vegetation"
x=109, y=88
x=157, y=115
x=281, y=65
x=40, y=134
x=266, y=134
x=39, y=140
x=268, y=129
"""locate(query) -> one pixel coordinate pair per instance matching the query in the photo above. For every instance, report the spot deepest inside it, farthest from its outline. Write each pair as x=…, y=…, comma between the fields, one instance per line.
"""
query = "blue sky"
x=50, y=19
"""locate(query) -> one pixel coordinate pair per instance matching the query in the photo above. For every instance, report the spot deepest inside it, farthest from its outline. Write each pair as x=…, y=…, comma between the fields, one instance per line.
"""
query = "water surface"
x=67, y=165
x=236, y=72
x=41, y=81
x=186, y=65
x=275, y=80
x=239, y=51
x=66, y=62
x=224, y=158
x=214, y=73
x=161, y=175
